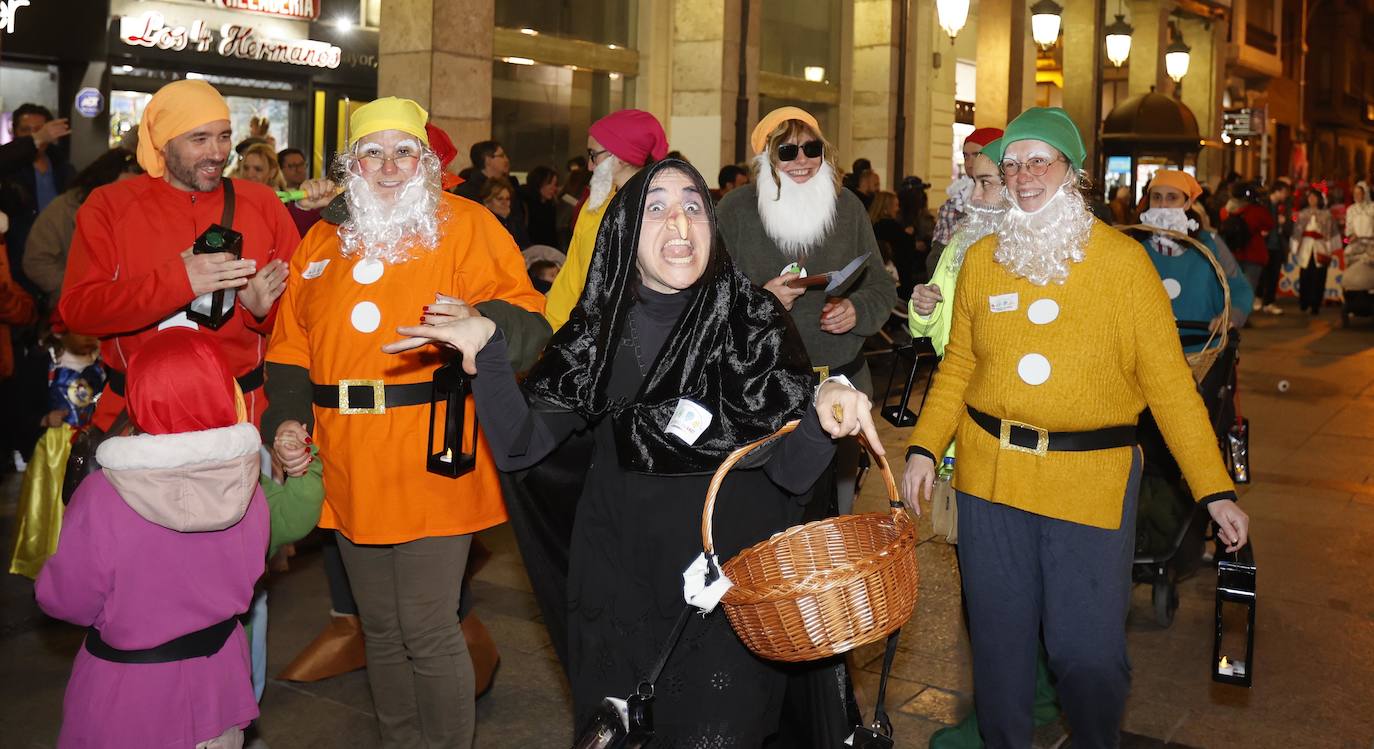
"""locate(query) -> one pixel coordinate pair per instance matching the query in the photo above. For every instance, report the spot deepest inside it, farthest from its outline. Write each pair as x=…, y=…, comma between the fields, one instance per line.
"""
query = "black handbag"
x=878, y=734
x=629, y=723
x=81, y=462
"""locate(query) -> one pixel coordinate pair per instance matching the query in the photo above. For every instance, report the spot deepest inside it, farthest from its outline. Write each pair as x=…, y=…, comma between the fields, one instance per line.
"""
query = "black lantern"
x=897, y=414
x=451, y=387
x=1235, y=608
x=214, y=308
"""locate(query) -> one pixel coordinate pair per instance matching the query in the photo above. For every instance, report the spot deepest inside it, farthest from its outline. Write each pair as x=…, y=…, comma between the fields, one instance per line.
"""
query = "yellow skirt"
x=40, y=502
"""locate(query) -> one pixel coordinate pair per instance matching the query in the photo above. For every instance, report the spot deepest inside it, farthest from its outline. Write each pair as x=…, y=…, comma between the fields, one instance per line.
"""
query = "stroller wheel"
x=1165, y=598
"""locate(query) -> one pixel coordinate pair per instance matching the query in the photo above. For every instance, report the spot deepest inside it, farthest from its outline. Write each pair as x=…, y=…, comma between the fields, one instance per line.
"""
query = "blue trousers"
x=1023, y=572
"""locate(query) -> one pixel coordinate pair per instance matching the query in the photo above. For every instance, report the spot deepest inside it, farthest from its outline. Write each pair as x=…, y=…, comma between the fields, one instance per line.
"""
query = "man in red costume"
x=131, y=272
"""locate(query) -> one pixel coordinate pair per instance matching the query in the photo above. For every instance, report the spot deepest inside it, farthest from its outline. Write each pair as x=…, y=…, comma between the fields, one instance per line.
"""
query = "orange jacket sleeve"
x=289, y=343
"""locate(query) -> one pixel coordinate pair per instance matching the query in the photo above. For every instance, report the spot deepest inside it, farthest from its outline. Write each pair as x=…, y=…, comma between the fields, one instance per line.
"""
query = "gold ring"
x=837, y=410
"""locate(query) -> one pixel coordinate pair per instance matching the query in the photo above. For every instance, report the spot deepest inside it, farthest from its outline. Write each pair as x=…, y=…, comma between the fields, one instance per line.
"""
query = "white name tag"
x=1004, y=302
x=689, y=421
x=315, y=269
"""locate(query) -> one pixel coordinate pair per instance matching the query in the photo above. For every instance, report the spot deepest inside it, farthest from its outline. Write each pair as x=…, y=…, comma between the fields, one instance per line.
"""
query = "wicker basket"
x=1201, y=361
x=822, y=588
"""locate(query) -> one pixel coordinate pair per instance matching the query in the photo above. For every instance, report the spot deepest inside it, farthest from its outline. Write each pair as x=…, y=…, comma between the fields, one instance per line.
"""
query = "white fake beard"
x=796, y=216
x=1173, y=219
x=603, y=181
x=1040, y=246
x=390, y=231
x=979, y=221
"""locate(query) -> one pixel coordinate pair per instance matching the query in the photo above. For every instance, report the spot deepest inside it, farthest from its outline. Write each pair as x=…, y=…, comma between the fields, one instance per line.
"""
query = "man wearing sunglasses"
x=1062, y=335
x=618, y=146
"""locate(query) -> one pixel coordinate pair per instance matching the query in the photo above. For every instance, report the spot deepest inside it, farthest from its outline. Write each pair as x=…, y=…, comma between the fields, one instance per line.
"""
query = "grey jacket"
x=45, y=253
x=870, y=289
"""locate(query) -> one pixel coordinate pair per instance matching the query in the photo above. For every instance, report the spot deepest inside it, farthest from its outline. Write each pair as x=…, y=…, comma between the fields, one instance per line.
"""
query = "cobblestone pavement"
x=1312, y=503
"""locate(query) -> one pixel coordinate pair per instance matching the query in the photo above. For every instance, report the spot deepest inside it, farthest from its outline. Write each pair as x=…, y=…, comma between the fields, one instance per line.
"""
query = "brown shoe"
x=337, y=650
x=482, y=649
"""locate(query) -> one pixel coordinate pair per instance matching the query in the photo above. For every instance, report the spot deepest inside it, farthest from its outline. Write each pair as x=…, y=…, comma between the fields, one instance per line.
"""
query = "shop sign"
x=232, y=40
x=300, y=10
x=89, y=102
x=8, y=10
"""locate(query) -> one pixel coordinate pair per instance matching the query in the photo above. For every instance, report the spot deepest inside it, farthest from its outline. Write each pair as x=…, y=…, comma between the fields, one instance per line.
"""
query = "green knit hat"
x=993, y=150
x=1049, y=124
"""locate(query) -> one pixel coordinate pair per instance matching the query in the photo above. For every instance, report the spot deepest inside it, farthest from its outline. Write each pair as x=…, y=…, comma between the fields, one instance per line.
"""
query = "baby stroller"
x=1171, y=529
x=1357, y=282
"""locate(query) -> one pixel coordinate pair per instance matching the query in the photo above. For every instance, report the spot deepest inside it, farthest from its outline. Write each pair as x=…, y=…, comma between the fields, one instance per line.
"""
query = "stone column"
x=1203, y=86
x=1151, y=21
x=705, y=81
x=439, y=53
x=931, y=62
x=873, y=95
x=1083, y=54
x=1006, y=62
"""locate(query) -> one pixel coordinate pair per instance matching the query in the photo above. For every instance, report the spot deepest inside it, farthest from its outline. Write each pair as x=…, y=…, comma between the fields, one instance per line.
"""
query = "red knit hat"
x=633, y=135
x=179, y=382
x=984, y=135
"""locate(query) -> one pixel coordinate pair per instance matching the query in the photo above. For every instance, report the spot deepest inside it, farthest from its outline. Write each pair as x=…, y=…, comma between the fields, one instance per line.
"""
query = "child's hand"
x=54, y=418
x=291, y=448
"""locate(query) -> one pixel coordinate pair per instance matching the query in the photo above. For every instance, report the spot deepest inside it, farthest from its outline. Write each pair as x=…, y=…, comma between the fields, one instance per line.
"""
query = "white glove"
x=695, y=590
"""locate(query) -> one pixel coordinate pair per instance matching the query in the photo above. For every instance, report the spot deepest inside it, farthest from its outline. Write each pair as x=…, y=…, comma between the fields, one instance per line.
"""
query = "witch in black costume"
x=670, y=361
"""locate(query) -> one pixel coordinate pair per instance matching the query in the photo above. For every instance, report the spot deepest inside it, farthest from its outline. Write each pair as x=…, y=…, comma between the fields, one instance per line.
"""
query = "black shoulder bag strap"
x=227, y=219
x=878, y=735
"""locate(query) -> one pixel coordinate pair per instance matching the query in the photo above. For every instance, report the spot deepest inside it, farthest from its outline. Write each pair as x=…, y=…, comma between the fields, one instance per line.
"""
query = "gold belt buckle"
x=822, y=372
x=1042, y=441
x=378, y=396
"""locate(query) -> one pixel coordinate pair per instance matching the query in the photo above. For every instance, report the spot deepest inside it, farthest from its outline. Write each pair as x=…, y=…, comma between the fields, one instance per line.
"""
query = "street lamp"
x=953, y=15
x=1119, y=40
x=1045, y=19
x=1176, y=58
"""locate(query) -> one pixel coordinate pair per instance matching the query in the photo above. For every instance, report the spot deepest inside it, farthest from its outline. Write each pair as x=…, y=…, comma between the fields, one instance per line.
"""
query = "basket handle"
x=739, y=454
x=1224, y=333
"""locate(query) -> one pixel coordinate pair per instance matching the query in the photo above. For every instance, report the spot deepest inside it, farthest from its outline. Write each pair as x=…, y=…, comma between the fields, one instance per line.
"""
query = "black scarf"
x=734, y=350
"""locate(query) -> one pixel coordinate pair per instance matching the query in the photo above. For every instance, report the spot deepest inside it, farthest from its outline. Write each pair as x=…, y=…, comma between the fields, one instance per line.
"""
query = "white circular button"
x=368, y=271
x=1043, y=311
x=1173, y=288
x=366, y=317
x=1034, y=369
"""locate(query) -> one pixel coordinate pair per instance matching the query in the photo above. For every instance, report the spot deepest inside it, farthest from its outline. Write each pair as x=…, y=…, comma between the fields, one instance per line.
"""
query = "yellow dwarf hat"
x=388, y=113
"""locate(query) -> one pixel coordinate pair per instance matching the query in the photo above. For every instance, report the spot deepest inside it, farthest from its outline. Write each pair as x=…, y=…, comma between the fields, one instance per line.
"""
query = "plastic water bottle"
x=946, y=472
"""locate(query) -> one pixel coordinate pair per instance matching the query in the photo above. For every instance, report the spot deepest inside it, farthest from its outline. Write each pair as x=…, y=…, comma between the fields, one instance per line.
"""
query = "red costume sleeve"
x=96, y=298
x=285, y=239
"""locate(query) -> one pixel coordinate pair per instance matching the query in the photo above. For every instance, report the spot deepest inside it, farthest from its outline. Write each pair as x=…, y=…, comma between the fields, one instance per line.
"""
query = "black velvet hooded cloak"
x=734, y=350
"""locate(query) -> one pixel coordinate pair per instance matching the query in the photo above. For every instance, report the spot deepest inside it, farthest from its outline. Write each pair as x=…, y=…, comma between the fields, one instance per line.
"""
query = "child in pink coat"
x=158, y=555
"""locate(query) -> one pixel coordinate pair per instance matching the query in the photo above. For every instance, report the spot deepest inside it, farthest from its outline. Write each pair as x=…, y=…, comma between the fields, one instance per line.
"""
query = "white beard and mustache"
x=796, y=216
x=1040, y=246
x=390, y=231
x=603, y=181
x=1173, y=219
x=979, y=221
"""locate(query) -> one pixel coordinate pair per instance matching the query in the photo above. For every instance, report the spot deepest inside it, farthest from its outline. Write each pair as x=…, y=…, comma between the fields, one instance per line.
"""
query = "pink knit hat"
x=633, y=135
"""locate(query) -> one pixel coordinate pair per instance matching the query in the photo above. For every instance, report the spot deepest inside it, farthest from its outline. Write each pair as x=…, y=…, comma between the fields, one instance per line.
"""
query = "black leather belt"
x=370, y=396
x=1015, y=435
x=199, y=644
x=846, y=370
x=248, y=382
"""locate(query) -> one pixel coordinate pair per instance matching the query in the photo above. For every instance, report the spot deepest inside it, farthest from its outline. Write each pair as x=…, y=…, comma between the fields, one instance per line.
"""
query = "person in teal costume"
x=1189, y=279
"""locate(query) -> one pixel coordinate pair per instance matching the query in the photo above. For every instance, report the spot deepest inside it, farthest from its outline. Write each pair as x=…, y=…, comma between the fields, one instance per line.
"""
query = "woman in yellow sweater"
x=1061, y=336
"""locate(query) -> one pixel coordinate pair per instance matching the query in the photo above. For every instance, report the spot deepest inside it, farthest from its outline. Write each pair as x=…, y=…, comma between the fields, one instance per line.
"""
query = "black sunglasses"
x=812, y=148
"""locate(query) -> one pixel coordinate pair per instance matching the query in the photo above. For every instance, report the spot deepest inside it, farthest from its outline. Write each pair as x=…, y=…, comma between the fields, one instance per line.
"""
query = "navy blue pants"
x=1023, y=572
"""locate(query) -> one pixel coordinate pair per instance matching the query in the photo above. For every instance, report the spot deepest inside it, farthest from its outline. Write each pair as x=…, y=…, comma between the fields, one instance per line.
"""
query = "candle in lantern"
x=447, y=457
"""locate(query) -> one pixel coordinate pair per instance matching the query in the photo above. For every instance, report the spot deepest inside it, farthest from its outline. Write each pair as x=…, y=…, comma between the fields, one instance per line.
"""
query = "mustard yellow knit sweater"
x=1087, y=354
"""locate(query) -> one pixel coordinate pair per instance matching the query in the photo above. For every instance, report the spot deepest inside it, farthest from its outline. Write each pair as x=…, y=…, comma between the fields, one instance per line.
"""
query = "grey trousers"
x=417, y=660
x=1022, y=572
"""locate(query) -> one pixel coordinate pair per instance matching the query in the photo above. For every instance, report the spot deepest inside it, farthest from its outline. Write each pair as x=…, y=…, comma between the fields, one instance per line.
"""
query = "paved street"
x=1312, y=503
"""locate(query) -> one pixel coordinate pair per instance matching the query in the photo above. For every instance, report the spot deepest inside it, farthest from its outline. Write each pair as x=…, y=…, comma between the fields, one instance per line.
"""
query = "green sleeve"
x=936, y=327
x=874, y=295
x=294, y=507
x=526, y=332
